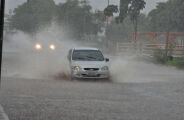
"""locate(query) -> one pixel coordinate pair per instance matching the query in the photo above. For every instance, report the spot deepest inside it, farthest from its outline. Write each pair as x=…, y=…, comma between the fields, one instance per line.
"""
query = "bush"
x=177, y=63
x=159, y=56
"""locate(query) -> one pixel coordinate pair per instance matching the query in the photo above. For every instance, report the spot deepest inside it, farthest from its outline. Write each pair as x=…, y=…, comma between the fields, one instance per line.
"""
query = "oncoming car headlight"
x=77, y=68
x=105, y=68
x=38, y=46
x=52, y=47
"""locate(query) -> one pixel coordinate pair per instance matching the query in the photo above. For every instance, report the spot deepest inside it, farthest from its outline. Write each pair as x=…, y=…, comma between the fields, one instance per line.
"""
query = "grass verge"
x=176, y=63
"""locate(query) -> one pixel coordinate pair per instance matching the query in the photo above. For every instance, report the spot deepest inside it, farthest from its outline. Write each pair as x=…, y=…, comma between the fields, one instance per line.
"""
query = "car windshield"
x=87, y=55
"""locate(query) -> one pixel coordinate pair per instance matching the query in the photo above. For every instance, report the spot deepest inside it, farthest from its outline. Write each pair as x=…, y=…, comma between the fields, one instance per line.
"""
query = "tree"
x=78, y=17
x=166, y=18
x=131, y=8
x=99, y=19
x=122, y=32
x=99, y=16
x=33, y=15
x=134, y=11
x=124, y=4
x=110, y=10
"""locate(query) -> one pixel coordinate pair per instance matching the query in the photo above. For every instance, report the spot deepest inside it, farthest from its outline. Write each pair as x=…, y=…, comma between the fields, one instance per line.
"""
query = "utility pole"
x=1, y=32
x=106, y=42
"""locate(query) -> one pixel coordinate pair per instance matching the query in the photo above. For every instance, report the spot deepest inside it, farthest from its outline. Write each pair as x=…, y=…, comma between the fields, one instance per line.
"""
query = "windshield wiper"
x=90, y=57
x=79, y=58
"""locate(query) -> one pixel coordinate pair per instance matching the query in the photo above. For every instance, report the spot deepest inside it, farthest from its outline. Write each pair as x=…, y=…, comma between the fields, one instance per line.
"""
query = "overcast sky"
x=96, y=4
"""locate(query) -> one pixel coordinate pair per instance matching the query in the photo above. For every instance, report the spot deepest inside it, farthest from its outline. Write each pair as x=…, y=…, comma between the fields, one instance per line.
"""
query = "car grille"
x=91, y=69
x=85, y=75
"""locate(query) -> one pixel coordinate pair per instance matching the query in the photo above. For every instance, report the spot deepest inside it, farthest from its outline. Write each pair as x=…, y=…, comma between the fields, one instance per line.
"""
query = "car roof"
x=85, y=48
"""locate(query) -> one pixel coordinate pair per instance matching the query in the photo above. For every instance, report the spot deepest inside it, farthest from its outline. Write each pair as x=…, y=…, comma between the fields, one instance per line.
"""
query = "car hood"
x=89, y=64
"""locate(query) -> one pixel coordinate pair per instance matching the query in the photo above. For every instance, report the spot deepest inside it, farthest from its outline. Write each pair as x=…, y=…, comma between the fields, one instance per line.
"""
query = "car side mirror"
x=107, y=59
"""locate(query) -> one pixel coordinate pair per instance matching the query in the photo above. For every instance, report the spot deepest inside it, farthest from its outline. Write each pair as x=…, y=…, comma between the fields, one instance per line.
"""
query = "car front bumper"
x=90, y=74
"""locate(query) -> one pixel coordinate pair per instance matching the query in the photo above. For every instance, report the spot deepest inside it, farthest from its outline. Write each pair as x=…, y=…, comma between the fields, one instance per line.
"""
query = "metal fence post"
x=2, y=6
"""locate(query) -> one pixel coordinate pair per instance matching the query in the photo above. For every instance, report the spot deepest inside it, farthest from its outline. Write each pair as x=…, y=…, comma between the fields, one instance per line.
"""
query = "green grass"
x=177, y=63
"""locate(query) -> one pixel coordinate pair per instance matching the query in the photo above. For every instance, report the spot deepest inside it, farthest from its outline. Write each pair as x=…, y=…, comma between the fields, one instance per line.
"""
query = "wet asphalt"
x=31, y=99
x=137, y=91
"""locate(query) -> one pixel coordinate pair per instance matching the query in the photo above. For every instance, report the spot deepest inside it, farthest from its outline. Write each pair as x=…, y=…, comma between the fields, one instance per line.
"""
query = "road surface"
x=148, y=92
x=63, y=100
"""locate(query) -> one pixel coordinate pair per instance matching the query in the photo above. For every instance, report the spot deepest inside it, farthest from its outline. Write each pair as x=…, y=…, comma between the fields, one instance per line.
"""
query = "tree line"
x=77, y=17
x=73, y=15
x=166, y=17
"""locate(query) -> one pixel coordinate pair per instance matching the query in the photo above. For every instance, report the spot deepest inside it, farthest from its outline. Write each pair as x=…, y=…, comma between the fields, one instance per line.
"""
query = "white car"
x=88, y=63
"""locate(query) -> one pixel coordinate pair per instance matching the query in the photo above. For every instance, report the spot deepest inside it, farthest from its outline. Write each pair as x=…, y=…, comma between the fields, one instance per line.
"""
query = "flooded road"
x=138, y=91
x=40, y=65
x=65, y=100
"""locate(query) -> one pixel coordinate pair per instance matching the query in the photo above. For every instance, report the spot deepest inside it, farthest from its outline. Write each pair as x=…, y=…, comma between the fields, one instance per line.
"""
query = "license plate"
x=91, y=74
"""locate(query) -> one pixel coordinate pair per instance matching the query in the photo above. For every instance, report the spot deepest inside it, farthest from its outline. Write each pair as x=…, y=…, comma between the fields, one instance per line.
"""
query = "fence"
x=149, y=49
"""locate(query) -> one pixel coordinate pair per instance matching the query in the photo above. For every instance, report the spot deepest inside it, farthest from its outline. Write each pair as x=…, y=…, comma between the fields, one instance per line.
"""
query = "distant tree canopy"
x=124, y=4
x=123, y=32
x=130, y=9
x=127, y=7
x=78, y=16
x=32, y=15
x=135, y=8
x=73, y=14
x=110, y=10
x=168, y=16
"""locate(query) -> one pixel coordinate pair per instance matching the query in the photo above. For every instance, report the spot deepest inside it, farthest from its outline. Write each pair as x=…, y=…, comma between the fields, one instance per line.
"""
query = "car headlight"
x=52, y=47
x=76, y=68
x=38, y=46
x=105, y=68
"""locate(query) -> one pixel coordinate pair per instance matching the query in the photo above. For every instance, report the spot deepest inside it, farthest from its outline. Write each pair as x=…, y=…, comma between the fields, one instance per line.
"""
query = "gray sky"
x=97, y=4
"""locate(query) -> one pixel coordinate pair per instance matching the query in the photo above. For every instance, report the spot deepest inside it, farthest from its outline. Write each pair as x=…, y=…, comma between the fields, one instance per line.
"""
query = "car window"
x=87, y=55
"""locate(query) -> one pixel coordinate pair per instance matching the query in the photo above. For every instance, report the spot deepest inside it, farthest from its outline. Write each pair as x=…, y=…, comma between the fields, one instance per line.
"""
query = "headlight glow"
x=105, y=68
x=38, y=46
x=52, y=47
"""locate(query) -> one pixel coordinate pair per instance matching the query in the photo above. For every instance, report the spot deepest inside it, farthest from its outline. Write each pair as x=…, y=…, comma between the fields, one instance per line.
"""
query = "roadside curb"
x=3, y=115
